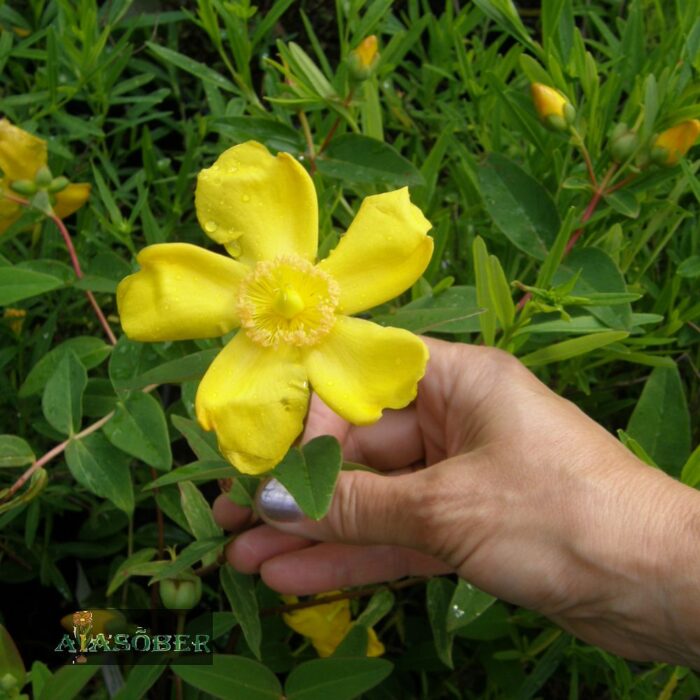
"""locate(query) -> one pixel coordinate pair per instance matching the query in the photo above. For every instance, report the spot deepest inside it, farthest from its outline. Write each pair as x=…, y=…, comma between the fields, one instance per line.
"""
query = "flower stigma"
x=287, y=300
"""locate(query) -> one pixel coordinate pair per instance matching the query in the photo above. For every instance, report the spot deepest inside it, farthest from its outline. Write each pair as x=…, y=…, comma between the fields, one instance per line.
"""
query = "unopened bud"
x=623, y=143
x=555, y=111
x=43, y=176
x=181, y=593
x=363, y=60
x=58, y=184
x=25, y=187
x=671, y=145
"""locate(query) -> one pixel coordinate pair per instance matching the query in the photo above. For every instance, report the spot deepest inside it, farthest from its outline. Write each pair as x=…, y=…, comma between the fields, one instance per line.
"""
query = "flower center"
x=287, y=300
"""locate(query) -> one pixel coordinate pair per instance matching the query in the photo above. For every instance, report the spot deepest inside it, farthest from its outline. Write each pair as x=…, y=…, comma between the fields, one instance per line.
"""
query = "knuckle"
x=344, y=516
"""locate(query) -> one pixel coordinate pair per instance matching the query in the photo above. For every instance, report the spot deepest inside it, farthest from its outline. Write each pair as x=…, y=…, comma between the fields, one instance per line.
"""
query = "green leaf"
x=572, y=348
x=126, y=568
x=90, y=351
x=206, y=470
x=544, y=668
x=189, y=555
x=310, y=474
x=14, y=452
x=520, y=207
x=199, y=516
x=624, y=202
x=102, y=469
x=17, y=284
x=690, y=267
x=203, y=444
x=199, y=70
x=340, y=679
x=487, y=320
x=138, y=428
x=232, y=677
x=631, y=444
x=130, y=360
x=141, y=678
x=452, y=311
x=240, y=591
x=660, y=421
x=467, y=603
x=174, y=371
x=439, y=593
x=361, y=159
x=690, y=474
x=597, y=273
x=10, y=659
x=68, y=681
x=62, y=402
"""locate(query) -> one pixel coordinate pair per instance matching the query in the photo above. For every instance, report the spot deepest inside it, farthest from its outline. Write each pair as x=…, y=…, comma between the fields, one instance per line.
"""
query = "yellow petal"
x=255, y=398
x=21, y=153
x=374, y=646
x=181, y=292
x=9, y=212
x=678, y=139
x=361, y=368
x=265, y=204
x=325, y=625
x=547, y=100
x=71, y=199
x=384, y=251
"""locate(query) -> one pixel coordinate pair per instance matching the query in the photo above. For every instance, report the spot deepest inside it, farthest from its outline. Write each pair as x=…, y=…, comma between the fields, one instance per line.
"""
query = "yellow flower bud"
x=555, y=111
x=15, y=319
x=364, y=58
x=671, y=145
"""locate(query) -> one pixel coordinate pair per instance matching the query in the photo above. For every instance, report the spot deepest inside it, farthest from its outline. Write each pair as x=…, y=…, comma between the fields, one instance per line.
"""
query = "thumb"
x=367, y=508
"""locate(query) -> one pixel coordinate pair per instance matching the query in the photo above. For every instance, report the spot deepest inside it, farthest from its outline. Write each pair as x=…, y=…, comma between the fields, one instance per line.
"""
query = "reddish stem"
x=331, y=132
x=585, y=217
x=76, y=266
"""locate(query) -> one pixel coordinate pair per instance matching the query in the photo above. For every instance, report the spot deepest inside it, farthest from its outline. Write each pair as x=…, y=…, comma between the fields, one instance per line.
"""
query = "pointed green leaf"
x=102, y=469
x=138, y=428
x=231, y=677
x=240, y=591
x=62, y=401
x=572, y=348
x=310, y=474
x=14, y=452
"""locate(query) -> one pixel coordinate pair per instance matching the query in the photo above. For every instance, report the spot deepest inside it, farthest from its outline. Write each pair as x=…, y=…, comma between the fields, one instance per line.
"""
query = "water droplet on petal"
x=246, y=198
x=210, y=226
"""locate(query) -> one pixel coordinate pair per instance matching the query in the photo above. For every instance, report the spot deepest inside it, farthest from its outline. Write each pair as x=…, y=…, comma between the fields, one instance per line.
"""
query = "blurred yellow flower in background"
x=22, y=156
x=326, y=625
x=552, y=107
x=671, y=145
x=294, y=313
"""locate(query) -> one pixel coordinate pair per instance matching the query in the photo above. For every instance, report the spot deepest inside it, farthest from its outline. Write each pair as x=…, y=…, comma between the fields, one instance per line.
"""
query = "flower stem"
x=600, y=192
x=60, y=448
x=586, y=156
x=75, y=263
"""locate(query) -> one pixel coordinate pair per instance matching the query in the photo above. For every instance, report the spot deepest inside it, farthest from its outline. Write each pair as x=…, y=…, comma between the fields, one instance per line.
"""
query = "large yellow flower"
x=21, y=156
x=326, y=625
x=293, y=313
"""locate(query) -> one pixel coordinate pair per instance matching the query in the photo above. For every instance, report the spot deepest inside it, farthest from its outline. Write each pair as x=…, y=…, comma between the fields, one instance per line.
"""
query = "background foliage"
x=137, y=97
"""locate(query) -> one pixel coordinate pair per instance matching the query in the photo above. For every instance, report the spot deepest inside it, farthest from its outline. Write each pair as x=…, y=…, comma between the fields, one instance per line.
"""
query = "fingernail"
x=276, y=503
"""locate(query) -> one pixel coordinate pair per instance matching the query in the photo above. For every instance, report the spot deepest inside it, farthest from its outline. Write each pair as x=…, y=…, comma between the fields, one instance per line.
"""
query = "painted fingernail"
x=276, y=503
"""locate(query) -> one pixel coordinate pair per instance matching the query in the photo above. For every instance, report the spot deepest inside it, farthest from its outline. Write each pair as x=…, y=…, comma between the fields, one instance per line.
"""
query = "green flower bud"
x=25, y=187
x=58, y=184
x=181, y=593
x=8, y=681
x=624, y=146
x=43, y=176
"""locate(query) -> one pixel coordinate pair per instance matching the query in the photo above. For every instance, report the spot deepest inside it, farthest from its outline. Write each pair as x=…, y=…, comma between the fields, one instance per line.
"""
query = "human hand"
x=522, y=495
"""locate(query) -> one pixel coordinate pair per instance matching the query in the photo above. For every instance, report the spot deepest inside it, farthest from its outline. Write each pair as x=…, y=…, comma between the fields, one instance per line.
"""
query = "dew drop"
x=246, y=198
x=210, y=226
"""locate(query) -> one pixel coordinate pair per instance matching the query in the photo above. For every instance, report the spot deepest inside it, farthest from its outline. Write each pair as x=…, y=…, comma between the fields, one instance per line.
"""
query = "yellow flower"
x=675, y=142
x=21, y=155
x=367, y=52
x=326, y=625
x=102, y=621
x=552, y=107
x=293, y=314
x=15, y=319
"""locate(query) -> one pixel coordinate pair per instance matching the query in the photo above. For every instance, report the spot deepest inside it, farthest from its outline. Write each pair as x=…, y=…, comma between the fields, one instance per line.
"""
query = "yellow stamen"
x=287, y=300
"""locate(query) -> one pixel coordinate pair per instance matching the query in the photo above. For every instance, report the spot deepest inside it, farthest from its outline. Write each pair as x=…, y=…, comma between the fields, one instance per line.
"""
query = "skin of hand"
x=493, y=476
